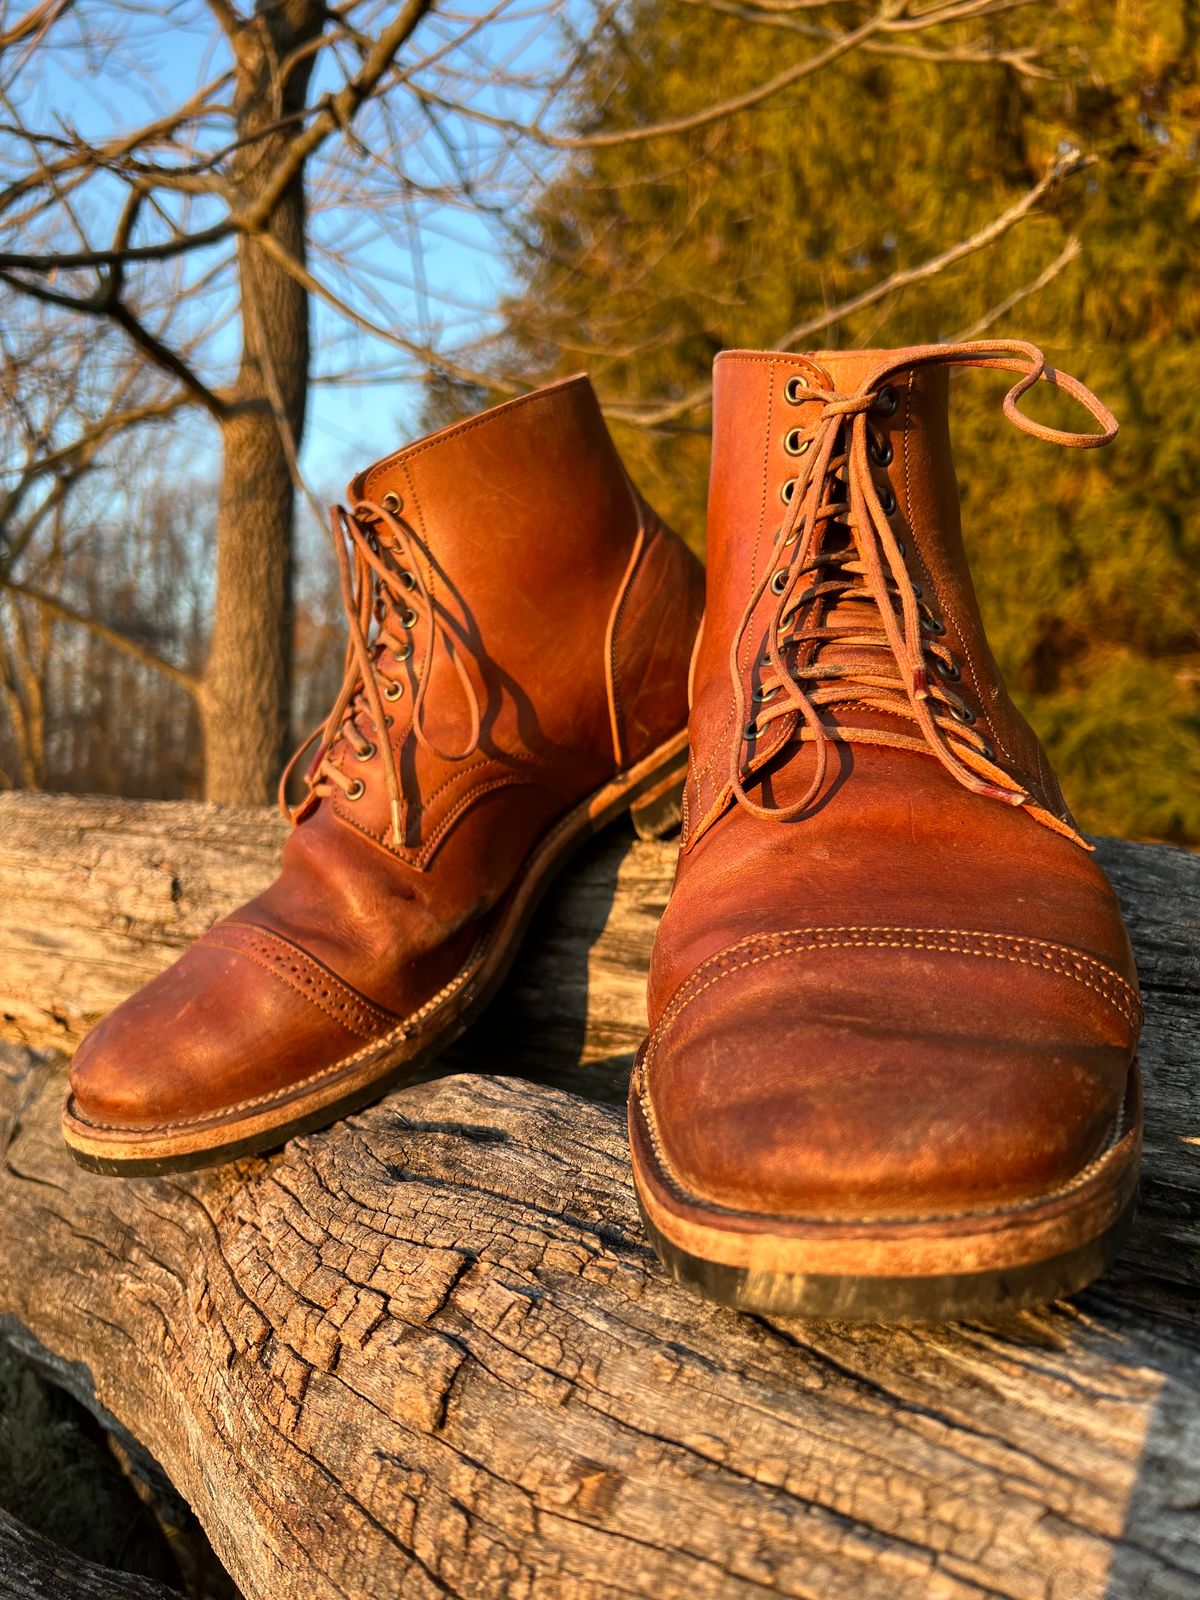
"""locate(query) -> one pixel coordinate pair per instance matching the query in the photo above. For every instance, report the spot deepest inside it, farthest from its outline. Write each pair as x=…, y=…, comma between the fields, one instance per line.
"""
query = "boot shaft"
x=522, y=522
x=885, y=417
x=504, y=571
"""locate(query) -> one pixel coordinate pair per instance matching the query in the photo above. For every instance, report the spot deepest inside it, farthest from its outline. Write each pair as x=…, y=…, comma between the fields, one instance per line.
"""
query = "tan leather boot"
x=893, y=1008
x=520, y=630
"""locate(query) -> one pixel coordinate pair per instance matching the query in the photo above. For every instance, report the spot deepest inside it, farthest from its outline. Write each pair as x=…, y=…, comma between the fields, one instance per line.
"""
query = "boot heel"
x=659, y=810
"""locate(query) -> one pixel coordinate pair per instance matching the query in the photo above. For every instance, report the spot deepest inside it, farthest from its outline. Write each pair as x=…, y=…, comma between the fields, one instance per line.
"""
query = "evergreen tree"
x=642, y=260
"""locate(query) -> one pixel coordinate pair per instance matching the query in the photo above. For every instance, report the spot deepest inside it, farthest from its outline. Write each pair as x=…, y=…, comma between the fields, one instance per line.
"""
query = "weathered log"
x=428, y=1352
x=31, y=1568
x=100, y=895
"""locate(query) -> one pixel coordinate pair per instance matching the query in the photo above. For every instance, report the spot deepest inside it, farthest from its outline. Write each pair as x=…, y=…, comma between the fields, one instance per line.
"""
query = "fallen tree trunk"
x=428, y=1352
x=32, y=1568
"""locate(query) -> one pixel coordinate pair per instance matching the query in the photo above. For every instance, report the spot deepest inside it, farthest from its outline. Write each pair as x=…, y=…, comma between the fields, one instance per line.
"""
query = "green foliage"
x=645, y=259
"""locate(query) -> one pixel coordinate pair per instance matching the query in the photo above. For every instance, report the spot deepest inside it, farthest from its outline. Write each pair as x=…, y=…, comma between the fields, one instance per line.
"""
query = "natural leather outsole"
x=650, y=791
x=933, y=1269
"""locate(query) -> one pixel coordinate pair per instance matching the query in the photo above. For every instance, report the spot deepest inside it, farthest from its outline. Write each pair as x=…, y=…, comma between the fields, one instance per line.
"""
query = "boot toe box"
x=241, y=1016
x=887, y=1072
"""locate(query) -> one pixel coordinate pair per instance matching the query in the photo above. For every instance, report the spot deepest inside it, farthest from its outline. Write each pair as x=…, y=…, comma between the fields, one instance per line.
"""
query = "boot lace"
x=395, y=627
x=840, y=579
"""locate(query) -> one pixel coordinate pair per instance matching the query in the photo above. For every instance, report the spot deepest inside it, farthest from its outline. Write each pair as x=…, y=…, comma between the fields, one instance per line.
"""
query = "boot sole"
x=651, y=791
x=933, y=1269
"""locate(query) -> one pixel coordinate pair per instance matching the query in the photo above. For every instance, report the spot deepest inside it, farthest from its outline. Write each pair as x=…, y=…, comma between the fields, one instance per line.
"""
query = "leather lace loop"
x=837, y=489
x=382, y=590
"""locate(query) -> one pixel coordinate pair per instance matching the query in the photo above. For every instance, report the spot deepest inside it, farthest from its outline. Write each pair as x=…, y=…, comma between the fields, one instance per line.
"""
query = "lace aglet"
x=397, y=833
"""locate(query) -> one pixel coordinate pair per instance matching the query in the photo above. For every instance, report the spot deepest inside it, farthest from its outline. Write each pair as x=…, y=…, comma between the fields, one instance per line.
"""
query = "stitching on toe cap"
x=304, y=975
x=1042, y=954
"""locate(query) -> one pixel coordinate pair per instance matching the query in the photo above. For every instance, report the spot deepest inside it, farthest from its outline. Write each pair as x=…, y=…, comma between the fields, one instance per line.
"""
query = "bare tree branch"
x=1023, y=62
x=1066, y=166
x=335, y=113
x=1070, y=253
x=112, y=636
x=102, y=304
x=34, y=24
x=426, y=354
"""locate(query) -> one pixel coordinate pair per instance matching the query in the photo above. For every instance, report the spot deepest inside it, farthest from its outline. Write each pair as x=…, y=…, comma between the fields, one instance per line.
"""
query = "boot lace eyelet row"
x=838, y=532
x=796, y=442
x=379, y=559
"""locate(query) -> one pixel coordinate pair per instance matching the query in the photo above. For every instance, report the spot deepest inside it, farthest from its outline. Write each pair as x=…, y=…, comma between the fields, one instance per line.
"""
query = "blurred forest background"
x=242, y=255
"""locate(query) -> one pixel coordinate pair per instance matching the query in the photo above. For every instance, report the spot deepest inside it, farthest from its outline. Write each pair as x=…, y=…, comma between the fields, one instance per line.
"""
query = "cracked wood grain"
x=428, y=1353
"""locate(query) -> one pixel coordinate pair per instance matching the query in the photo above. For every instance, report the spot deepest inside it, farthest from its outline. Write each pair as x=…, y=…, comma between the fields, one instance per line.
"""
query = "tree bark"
x=427, y=1352
x=31, y=1568
x=247, y=681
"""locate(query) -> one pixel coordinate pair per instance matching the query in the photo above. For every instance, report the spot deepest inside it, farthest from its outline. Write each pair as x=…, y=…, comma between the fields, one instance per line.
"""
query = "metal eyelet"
x=788, y=491
x=902, y=547
x=933, y=625
x=882, y=452
x=793, y=391
x=887, y=499
x=886, y=401
x=963, y=714
x=407, y=579
x=392, y=502
x=752, y=730
x=394, y=690
x=356, y=790
x=403, y=651
x=987, y=752
x=918, y=592
x=408, y=618
x=779, y=582
x=947, y=669
x=367, y=753
x=794, y=444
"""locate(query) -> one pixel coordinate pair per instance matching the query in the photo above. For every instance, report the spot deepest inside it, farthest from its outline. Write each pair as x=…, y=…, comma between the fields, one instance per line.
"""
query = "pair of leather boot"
x=893, y=1010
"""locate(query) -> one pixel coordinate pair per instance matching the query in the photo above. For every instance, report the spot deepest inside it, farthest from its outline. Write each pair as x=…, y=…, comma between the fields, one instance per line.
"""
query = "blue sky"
x=442, y=287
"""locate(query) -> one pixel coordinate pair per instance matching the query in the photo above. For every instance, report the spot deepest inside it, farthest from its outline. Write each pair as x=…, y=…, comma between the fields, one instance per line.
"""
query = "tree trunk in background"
x=247, y=686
